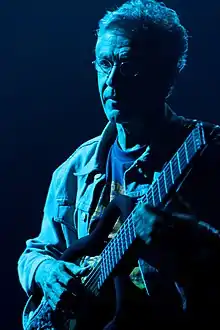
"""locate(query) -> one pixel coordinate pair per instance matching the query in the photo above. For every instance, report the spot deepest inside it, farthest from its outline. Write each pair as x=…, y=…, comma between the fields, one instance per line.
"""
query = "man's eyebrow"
x=101, y=54
x=122, y=57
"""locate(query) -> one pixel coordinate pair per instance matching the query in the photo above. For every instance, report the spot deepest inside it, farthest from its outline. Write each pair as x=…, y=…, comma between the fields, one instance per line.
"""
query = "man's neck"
x=139, y=133
x=129, y=139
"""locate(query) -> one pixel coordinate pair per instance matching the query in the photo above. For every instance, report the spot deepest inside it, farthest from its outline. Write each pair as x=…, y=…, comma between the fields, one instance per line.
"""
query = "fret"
x=156, y=192
x=111, y=256
x=190, y=149
x=198, y=140
x=106, y=261
x=121, y=241
x=130, y=228
x=186, y=152
x=117, y=250
x=146, y=197
x=159, y=192
x=109, y=259
x=178, y=161
x=149, y=197
x=152, y=194
x=162, y=185
x=175, y=168
x=120, y=245
x=114, y=253
x=165, y=181
x=169, y=177
x=126, y=234
x=132, y=231
x=104, y=265
x=194, y=135
x=120, y=251
x=102, y=276
x=171, y=172
x=182, y=158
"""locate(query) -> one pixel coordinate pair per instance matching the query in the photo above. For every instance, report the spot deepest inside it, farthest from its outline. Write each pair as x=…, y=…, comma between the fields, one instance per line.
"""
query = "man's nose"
x=113, y=77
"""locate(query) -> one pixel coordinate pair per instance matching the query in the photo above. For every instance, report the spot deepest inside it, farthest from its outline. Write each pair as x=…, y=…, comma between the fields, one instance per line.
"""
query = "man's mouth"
x=113, y=102
x=111, y=98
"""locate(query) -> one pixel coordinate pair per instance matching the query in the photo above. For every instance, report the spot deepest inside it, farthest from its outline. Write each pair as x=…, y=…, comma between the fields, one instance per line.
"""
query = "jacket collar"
x=97, y=162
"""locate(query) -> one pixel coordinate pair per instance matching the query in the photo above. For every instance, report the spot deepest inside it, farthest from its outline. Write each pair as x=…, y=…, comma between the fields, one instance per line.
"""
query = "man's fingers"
x=76, y=270
x=85, y=270
x=64, y=278
x=53, y=300
x=72, y=269
x=57, y=289
x=52, y=304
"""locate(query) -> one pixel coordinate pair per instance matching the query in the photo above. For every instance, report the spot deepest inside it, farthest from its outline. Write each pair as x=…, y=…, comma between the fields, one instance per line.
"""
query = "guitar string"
x=112, y=244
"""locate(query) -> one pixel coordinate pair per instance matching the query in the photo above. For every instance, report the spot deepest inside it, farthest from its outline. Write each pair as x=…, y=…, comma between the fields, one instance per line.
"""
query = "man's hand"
x=170, y=239
x=58, y=281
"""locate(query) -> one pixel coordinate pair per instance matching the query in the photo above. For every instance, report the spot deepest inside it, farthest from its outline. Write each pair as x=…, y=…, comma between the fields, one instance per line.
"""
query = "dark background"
x=49, y=105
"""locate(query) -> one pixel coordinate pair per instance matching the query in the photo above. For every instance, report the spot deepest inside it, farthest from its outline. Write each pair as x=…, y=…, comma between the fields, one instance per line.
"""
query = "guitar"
x=131, y=231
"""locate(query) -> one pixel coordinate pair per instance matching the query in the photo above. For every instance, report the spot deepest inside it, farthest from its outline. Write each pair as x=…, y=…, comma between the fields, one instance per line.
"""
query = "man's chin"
x=115, y=115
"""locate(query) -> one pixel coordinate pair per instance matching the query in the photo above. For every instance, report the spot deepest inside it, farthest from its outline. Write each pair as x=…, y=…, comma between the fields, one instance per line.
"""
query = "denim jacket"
x=73, y=196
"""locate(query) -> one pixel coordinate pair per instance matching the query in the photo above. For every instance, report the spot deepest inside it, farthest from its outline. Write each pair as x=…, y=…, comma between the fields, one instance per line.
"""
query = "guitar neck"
x=156, y=195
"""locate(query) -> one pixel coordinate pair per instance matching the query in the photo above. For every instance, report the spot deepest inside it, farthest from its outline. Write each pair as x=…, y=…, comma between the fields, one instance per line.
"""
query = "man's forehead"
x=122, y=42
x=109, y=40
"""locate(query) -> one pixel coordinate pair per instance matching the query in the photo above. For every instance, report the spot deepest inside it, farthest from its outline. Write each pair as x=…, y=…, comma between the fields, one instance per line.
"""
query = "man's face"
x=126, y=97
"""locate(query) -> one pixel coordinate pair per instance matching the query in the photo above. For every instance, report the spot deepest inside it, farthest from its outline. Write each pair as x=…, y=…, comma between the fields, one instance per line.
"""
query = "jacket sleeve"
x=51, y=241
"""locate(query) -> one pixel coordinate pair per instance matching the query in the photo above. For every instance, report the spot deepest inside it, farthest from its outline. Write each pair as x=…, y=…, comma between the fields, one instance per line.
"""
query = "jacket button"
x=97, y=176
x=83, y=216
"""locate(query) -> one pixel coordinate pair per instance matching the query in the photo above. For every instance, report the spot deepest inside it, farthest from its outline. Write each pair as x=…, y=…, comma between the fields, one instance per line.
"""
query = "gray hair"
x=159, y=24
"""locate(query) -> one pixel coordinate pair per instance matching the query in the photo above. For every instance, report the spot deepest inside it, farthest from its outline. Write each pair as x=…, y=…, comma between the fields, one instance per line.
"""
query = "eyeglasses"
x=127, y=69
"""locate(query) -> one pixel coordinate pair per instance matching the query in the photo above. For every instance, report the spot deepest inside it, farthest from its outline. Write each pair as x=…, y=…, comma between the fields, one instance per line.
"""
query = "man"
x=141, y=49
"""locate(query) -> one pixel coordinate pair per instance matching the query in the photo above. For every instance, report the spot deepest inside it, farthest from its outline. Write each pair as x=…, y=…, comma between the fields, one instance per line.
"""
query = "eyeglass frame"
x=95, y=62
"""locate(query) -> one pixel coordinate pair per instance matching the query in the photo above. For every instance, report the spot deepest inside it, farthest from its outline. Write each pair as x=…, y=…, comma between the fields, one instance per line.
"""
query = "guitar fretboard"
x=155, y=196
